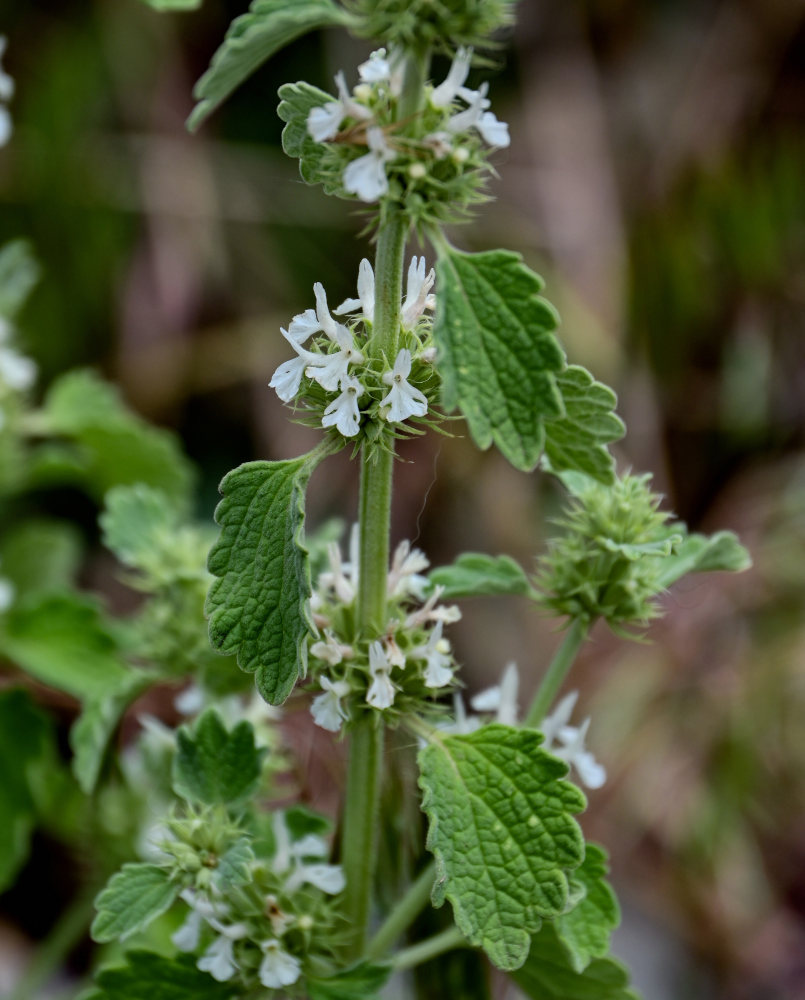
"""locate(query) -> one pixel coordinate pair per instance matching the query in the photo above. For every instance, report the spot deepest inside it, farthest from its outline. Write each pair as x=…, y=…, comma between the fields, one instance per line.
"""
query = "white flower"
x=439, y=669
x=190, y=701
x=327, y=878
x=278, y=968
x=366, y=176
x=444, y=95
x=365, y=301
x=16, y=370
x=331, y=370
x=381, y=690
x=417, y=298
x=288, y=376
x=405, y=576
x=326, y=708
x=324, y=122
x=501, y=699
x=430, y=613
x=188, y=935
x=403, y=400
x=219, y=959
x=377, y=69
x=330, y=650
x=555, y=728
x=343, y=412
x=289, y=856
x=493, y=132
x=304, y=325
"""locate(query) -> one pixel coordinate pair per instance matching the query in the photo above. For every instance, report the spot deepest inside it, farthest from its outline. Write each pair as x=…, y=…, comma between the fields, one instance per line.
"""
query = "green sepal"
x=296, y=102
x=474, y=574
x=578, y=440
x=147, y=976
x=64, y=641
x=361, y=982
x=585, y=930
x=253, y=38
x=258, y=606
x=548, y=975
x=134, y=896
x=213, y=765
x=498, y=357
x=503, y=835
x=19, y=273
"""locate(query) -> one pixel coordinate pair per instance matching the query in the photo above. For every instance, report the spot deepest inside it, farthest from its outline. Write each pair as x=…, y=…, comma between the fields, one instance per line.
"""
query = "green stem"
x=404, y=913
x=557, y=671
x=429, y=948
x=51, y=954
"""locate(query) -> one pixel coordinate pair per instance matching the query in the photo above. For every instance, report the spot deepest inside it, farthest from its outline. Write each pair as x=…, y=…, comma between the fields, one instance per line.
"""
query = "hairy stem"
x=404, y=913
x=429, y=948
x=557, y=672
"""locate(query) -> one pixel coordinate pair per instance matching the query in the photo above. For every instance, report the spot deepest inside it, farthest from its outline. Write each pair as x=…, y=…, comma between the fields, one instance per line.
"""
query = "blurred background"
x=656, y=178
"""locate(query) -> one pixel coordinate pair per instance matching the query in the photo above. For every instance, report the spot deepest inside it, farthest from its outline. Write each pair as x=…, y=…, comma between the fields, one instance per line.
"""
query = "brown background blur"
x=656, y=178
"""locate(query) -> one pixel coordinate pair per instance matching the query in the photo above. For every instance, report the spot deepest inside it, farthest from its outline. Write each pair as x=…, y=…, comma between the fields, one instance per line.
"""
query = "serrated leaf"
x=361, y=982
x=134, y=896
x=26, y=744
x=253, y=38
x=586, y=929
x=63, y=641
x=92, y=731
x=19, y=273
x=474, y=574
x=702, y=554
x=112, y=444
x=41, y=556
x=548, y=975
x=214, y=765
x=155, y=977
x=578, y=440
x=136, y=521
x=498, y=357
x=234, y=865
x=257, y=607
x=296, y=102
x=503, y=835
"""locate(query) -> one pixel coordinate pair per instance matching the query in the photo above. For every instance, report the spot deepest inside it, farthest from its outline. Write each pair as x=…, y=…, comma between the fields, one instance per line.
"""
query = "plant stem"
x=429, y=948
x=557, y=671
x=404, y=913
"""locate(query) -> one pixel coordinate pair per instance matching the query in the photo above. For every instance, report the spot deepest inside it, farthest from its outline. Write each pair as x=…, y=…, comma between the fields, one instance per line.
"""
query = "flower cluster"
x=409, y=662
x=437, y=156
x=332, y=373
x=423, y=24
x=6, y=93
x=260, y=931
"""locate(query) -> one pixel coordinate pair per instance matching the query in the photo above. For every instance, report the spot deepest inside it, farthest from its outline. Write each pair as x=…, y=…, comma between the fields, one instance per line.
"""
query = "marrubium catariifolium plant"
x=365, y=639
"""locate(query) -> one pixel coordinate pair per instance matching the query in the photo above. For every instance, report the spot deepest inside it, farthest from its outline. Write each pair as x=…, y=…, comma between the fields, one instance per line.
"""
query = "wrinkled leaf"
x=475, y=574
x=503, y=835
x=296, y=101
x=498, y=357
x=586, y=929
x=134, y=897
x=214, y=765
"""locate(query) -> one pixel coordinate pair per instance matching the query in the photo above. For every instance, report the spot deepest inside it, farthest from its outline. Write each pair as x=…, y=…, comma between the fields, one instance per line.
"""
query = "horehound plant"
x=365, y=638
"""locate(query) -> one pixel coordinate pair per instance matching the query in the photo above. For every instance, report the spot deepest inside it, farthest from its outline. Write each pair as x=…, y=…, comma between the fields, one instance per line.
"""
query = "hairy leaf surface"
x=548, y=975
x=135, y=896
x=702, y=554
x=498, y=357
x=585, y=931
x=296, y=102
x=257, y=607
x=503, y=835
x=214, y=765
x=474, y=574
x=578, y=440
x=253, y=38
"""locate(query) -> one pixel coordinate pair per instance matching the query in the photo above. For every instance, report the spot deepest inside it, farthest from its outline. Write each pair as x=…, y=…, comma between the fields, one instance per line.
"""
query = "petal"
x=287, y=378
x=278, y=968
x=328, y=878
x=366, y=178
x=324, y=122
x=326, y=711
x=493, y=132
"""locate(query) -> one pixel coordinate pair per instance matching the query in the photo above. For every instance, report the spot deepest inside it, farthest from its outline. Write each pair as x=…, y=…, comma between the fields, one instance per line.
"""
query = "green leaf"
x=548, y=975
x=113, y=444
x=136, y=521
x=19, y=272
x=253, y=38
x=700, y=554
x=155, y=977
x=498, y=357
x=234, y=865
x=503, y=834
x=474, y=574
x=134, y=897
x=296, y=102
x=361, y=982
x=63, y=641
x=578, y=440
x=26, y=747
x=257, y=607
x=41, y=556
x=166, y=5
x=213, y=765
x=92, y=731
x=585, y=930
